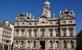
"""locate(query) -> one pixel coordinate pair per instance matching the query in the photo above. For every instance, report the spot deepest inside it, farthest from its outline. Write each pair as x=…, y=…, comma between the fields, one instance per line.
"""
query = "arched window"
x=65, y=44
x=51, y=32
x=17, y=24
x=17, y=31
x=16, y=42
x=71, y=31
x=34, y=44
x=51, y=23
x=42, y=32
x=30, y=23
x=72, y=44
x=51, y=44
x=70, y=22
x=57, y=32
x=23, y=23
x=22, y=43
x=64, y=22
x=35, y=23
x=35, y=32
x=22, y=30
x=29, y=44
x=30, y=30
x=57, y=44
x=64, y=31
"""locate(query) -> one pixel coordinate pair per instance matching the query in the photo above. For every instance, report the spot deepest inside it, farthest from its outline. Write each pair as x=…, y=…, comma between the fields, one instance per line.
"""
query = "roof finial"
x=60, y=11
x=66, y=9
x=47, y=2
x=33, y=17
x=30, y=15
x=27, y=13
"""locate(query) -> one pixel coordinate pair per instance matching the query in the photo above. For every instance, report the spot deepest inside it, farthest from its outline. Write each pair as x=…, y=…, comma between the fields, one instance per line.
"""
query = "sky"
x=9, y=9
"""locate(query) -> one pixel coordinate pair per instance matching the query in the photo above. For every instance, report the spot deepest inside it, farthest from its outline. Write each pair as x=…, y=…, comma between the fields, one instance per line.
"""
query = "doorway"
x=42, y=43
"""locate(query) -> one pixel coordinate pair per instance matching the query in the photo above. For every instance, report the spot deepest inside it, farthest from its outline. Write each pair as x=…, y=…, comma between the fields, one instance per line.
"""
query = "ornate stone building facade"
x=45, y=33
x=6, y=35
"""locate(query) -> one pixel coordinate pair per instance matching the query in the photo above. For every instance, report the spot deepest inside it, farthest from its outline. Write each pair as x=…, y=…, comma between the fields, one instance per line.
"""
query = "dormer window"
x=28, y=18
x=35, y=23
x=22, y=30
x=23, y=23
x=66, y=12
x=57, y=22
x=64, y=22
x=17, y=24
x=17, y=31
x=30, y=23
x=51, y=22
x=70, y=22
x=43, y=21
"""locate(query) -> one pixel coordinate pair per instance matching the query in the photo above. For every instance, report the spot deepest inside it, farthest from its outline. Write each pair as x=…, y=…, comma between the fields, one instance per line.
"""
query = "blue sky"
x=9, y=9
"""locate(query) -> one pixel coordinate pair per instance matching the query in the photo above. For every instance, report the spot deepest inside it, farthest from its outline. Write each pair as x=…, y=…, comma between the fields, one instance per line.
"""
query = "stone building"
x=6, y=35
x=45, y=33
x=79, y=41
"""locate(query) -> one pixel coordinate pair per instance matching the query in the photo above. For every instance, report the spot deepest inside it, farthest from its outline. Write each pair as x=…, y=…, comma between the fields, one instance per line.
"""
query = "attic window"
x=57, y=22
x=64, y=22
x=23, y=23
x=51, y=22
x=43, y=21
x=70, y=21
x=22, y=30
x=17, y=24
x=66, y=12
x=28, y=18
x=30, y=23
x=35, y=23
x=17, y=30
